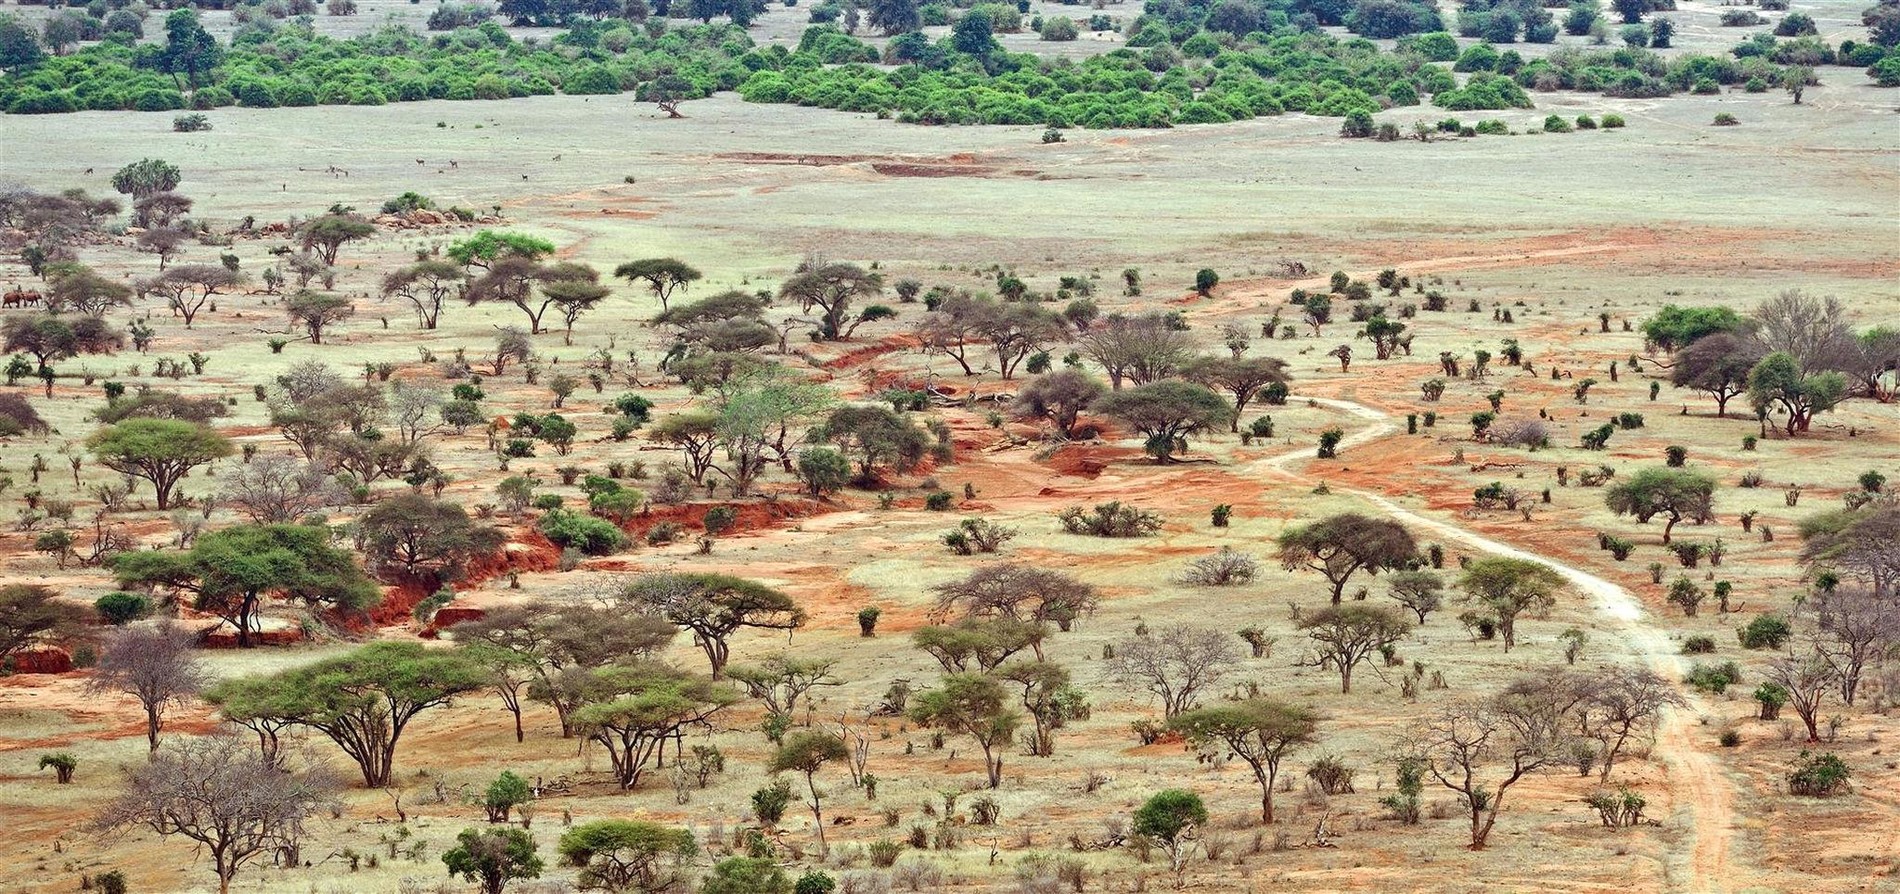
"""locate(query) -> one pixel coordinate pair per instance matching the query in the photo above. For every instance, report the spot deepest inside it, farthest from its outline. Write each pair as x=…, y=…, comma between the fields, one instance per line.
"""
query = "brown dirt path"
x=1706, y=795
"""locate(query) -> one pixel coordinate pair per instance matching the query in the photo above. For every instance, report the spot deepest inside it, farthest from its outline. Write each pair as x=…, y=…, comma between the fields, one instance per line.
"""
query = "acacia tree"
x=224, y=795
x=362, y=700
x=832, y=288
x=1343, y=544
x=875, y=435
x=187, y=288
x=415, y=535
x=50, y=338
x=1241, y=377
x=85, y=291
x=230, y=571
x=807, y=752
x=518, y=279
x=1778, y=380
x=696, y=434
x=1421, y=592
x=713, y=607
x=31, y=614
x=1346, y=635
x=316, y=311
x=973, y=704
x=554, y=644
x=154, y=665
x=1167, y=412
x=757, y=421
x=1717, y=365
x=1015, y=330
x=984, y=643
x=780, y=680
x=161, y=451
x=1049, y=699
x=493, y=857
x=628, y=855
x=326, y=234
x=640, y=706
x=663, y=276
x=1510, y=587
x=427, y=285
x=1671, y=492
x=1259, y=731
x=1177, y=664
x=1058, y=396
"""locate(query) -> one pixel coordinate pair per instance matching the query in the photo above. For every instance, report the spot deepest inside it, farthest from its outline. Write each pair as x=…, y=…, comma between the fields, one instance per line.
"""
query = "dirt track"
x=1706, y=808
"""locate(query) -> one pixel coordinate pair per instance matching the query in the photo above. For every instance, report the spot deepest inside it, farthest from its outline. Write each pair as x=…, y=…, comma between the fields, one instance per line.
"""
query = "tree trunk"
x=151, y=725
x=817, y=815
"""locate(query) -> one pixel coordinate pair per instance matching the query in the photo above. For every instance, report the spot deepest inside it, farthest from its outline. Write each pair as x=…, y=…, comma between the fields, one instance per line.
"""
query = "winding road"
x=1705, y=807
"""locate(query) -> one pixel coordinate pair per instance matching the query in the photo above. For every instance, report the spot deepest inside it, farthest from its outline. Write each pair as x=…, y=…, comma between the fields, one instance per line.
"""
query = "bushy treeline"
x=291, y=65
x=962, y=78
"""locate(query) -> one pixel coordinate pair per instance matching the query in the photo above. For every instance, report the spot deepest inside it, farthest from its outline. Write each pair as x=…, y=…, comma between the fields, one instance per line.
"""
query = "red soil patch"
x=749, y=516
x=528, y=552
x=869, y=352
x=1087, y=460
x=41, y=661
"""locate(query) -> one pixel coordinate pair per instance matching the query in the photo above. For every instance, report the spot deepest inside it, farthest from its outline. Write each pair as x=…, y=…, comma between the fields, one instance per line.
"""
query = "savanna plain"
x=678, y=490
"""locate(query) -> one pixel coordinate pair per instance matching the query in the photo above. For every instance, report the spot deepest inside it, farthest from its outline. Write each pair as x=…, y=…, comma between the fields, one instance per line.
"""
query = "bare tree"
x=1807, y=680
x=1019, y=592
x=278, y=489
x=416, y=410
x=1347, y=635
x=1862, y=545
x=220, y=792
x=1814, y=330
x=1461, y=741
x=154, y=665
x=1139, y=349
x=1861, y=628
x=1176, y=664
x=1621, y=703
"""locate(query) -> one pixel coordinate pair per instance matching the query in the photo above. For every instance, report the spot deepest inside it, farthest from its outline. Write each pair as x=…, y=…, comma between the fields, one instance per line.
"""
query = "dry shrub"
x=1225, y=568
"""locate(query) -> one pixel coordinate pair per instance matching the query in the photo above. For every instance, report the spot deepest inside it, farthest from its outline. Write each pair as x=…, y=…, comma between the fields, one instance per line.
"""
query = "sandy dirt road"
x=1704, y=797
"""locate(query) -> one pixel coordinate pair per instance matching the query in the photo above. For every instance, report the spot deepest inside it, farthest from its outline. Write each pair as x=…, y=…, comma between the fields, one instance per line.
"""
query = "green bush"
x=590, y=535
x=1611, y=122
x=1698, y=645
x=1765, y=632
x=720, y=519
x=1714, y=678
x=119, y=608
x=1818, y=775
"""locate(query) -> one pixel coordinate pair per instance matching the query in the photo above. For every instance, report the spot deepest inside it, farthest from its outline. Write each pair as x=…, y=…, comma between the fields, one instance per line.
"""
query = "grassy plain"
x=1666, y=210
